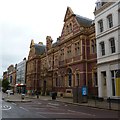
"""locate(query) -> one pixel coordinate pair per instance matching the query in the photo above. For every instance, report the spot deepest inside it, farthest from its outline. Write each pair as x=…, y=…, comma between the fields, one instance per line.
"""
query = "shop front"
x=21, y=88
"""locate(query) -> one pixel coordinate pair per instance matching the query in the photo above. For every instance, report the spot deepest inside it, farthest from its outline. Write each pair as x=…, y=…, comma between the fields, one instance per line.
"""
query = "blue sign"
x=84, y=90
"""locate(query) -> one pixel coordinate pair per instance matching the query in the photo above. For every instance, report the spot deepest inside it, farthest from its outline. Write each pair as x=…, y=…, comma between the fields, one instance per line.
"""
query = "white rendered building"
x=107, y=24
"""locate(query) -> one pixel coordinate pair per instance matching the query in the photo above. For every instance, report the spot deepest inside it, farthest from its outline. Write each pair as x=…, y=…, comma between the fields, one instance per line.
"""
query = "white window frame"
x=100, y=26
x=112, y=46
x=110, y=20
x=102, y=49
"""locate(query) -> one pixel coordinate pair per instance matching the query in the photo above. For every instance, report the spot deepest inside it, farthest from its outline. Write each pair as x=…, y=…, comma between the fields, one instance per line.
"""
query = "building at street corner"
x=70, y=62
x=20, y=85
x=107, y=24
x=11, y=76
x=33, y=67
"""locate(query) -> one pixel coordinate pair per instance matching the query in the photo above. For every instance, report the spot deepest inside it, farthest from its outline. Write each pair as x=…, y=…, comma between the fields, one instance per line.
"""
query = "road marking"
x=66, y=105
x=45, y=99
x=81, y=113
x=41, y=115
x=13, y=103
x=53, y=104
x=24, y=109
x=52, y=113
x=5, y=107
x=39, y=108
x=40, y=103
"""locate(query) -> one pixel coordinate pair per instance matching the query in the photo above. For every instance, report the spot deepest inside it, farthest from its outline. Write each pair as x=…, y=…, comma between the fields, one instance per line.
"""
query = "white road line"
x=81, y=113
x=41, y=115
x=40, y=103
x=39, y=108
x=24, y=109
x=5, y=107
x=53, y=104
x=45, y=99
x=13, y=103
x=52, y=113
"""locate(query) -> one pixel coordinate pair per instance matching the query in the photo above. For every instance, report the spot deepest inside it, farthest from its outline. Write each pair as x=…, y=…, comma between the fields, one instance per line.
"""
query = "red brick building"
x=70, y=62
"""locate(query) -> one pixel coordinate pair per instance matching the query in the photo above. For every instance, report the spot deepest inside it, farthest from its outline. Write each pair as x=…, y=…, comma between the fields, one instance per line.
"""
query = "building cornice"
x=103, y=8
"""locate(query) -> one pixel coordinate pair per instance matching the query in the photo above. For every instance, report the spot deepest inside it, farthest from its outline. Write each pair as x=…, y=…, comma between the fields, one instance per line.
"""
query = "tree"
x=5, y=84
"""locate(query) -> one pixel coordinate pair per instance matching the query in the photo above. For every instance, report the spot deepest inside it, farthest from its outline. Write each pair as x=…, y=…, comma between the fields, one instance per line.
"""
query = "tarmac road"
x=52, y=109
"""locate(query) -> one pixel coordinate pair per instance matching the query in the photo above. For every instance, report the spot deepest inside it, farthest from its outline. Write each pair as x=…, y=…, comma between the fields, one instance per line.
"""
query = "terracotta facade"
x=33, y=67
x=70, y=61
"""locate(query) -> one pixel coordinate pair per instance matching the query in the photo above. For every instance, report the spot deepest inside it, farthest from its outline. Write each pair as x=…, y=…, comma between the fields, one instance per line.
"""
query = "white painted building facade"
x=107, y=24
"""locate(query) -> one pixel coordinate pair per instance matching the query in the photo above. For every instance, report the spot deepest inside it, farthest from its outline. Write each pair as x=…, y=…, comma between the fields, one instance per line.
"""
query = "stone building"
x=70, y=62
x=11, y=75
x=107, y=24
x=33, y=67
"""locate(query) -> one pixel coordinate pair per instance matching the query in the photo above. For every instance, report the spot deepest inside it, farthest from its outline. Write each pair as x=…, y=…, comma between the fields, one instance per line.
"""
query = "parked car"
x=10, y=92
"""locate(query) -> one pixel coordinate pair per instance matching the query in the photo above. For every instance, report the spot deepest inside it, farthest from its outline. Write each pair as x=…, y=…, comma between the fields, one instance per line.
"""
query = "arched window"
x=69, y=77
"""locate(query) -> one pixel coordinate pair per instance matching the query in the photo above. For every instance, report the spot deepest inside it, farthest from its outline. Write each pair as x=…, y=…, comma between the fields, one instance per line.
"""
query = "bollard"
x=95, y=100
x=37, y=96
x=109, y=101
x=22, y=96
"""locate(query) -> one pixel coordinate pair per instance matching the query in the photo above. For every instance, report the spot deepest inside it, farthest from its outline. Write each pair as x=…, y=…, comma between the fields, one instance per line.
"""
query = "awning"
x=20, y=84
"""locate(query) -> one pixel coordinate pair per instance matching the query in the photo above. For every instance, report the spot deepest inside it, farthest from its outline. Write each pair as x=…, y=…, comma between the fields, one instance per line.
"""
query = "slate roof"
x=55, y=44
x=84, y=21
x=39, y=49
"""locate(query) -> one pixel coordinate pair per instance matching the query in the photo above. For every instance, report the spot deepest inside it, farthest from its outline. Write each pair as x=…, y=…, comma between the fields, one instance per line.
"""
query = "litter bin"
x=53, y=94
x=22, y=96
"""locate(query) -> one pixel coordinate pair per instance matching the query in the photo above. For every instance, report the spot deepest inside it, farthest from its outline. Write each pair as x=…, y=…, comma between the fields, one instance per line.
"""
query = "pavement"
x=91, y=103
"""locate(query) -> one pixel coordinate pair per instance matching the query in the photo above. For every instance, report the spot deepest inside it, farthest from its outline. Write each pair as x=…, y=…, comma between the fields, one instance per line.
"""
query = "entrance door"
x=104, y=84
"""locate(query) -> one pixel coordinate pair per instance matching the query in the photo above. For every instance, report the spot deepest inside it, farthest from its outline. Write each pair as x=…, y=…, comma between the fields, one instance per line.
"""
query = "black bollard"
x=95, y=100
x=109, y=100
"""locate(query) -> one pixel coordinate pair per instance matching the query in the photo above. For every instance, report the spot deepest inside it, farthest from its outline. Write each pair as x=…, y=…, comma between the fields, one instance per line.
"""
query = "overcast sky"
x=23, y=20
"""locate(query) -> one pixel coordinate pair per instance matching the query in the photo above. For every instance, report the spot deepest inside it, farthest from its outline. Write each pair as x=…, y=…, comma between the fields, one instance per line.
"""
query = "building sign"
x=84, y=90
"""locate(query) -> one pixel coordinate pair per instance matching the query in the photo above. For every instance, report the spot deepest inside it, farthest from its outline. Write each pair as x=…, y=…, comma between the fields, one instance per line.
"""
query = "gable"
x=73, y=24
x=68, y=14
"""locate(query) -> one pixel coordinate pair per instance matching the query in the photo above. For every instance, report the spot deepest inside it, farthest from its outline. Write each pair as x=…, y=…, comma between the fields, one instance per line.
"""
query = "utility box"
x=84, y=94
